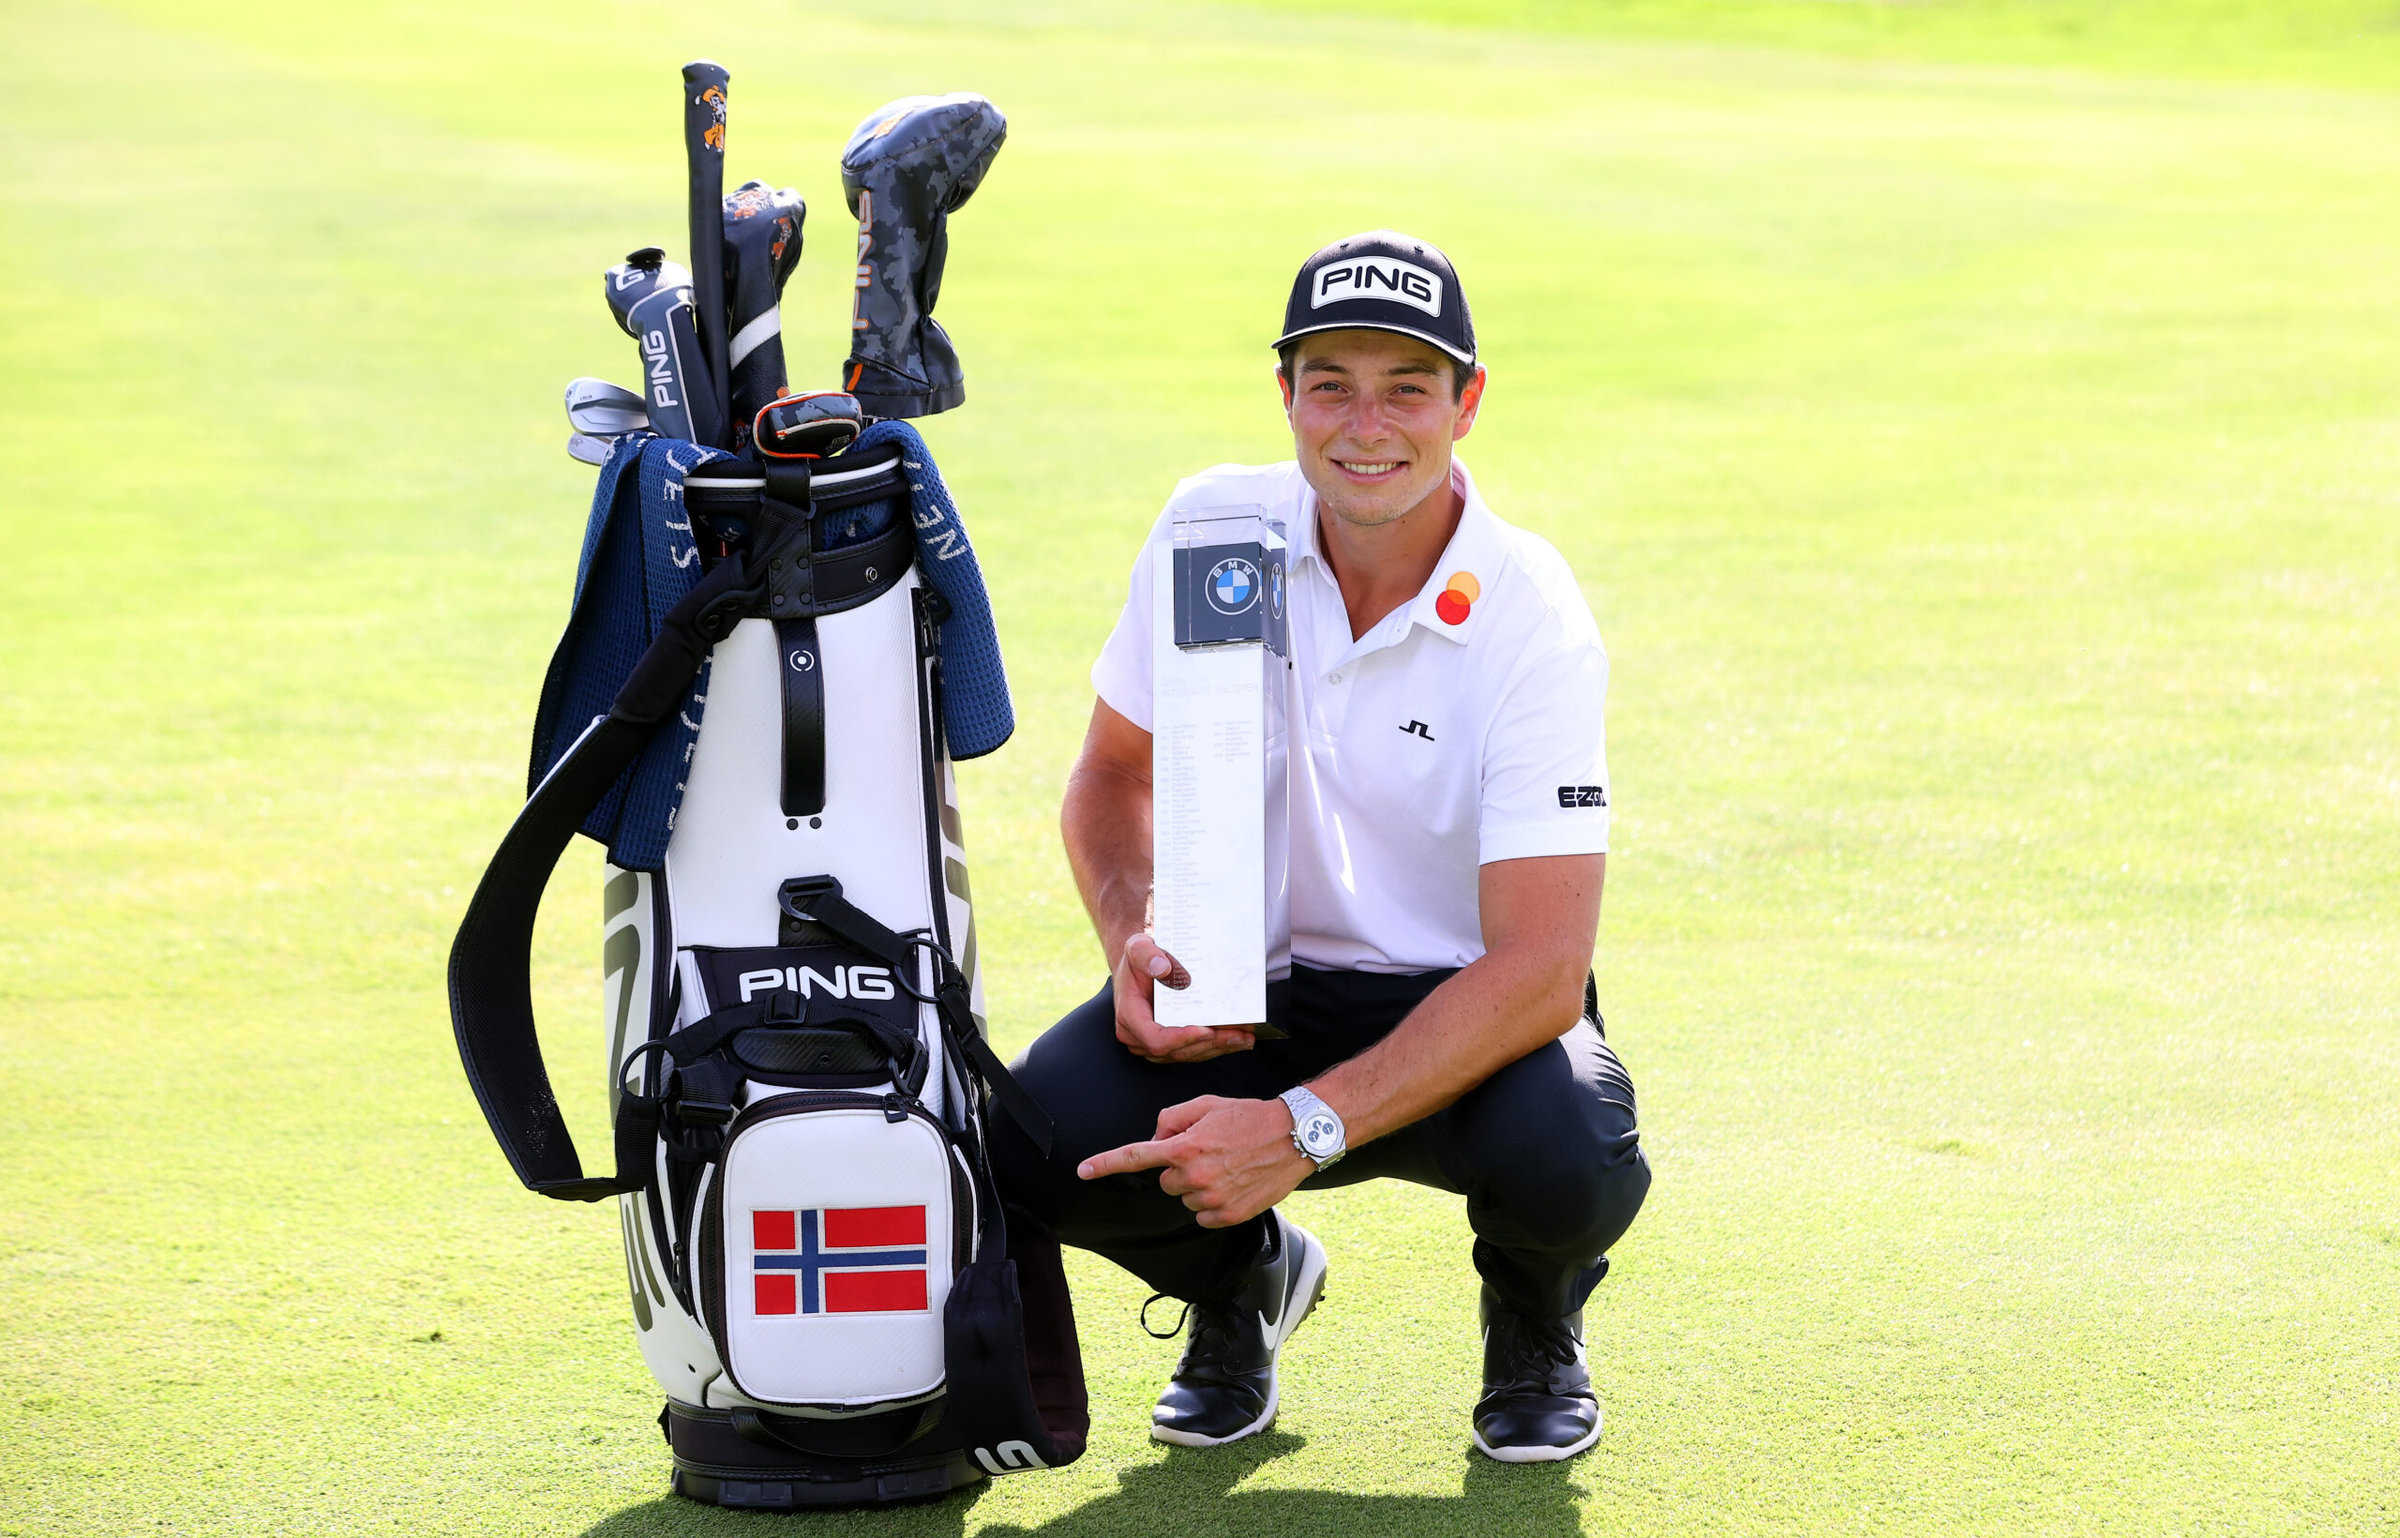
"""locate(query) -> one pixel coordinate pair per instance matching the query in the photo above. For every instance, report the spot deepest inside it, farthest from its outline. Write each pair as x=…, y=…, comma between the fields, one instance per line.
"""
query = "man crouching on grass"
x=1449, y=829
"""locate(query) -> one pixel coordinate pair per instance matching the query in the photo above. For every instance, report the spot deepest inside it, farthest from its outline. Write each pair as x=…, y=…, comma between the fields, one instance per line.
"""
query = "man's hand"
x=1229, y=1160
x=1141, y=967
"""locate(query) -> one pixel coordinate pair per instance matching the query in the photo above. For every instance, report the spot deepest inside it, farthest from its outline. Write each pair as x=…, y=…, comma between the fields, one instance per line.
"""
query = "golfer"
x=1435, y=1019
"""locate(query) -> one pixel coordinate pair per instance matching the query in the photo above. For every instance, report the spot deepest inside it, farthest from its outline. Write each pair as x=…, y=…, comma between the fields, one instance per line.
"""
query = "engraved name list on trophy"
x=1218, y=815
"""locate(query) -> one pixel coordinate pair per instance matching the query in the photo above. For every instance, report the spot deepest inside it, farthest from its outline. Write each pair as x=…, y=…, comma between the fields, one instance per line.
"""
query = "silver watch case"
x=1317, y=1129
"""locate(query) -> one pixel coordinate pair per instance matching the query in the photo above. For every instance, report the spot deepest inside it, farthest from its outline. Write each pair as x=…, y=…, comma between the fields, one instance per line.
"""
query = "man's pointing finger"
x=1119, y=1161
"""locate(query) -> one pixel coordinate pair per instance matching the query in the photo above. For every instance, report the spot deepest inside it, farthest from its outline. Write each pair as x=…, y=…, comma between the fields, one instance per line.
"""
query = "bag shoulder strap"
x=491, y=993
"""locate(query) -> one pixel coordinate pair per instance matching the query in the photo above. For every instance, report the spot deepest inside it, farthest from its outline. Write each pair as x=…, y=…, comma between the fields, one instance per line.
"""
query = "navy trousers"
x=1545, y=1151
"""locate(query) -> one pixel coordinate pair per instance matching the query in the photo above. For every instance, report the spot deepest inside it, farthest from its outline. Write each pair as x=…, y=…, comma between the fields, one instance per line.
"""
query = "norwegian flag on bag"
x=838, y=1260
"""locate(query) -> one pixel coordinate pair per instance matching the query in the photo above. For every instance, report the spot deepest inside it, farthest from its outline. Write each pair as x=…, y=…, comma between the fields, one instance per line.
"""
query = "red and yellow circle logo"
x=1457, y=599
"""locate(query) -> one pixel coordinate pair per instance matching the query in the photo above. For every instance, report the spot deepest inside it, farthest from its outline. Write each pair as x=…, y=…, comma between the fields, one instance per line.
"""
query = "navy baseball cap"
x=1381, y=281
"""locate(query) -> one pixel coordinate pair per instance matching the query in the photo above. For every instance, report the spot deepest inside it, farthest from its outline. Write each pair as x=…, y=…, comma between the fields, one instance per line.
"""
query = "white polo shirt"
x=1459, y=730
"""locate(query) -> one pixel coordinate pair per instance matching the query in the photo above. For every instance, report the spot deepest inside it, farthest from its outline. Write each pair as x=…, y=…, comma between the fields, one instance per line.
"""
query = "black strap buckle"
x=705, y=1113
x=795, y=896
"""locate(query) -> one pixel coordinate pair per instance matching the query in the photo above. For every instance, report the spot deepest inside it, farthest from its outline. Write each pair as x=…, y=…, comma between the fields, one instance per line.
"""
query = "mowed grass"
x=1986, y=481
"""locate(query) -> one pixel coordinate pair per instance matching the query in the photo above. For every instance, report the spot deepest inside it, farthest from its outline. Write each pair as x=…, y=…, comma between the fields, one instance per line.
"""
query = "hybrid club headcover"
x=905, y=170
x=651, y=299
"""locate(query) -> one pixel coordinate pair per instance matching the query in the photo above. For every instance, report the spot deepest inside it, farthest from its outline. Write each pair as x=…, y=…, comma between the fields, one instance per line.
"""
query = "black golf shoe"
x=1224, y=1388
x=1537, y=1404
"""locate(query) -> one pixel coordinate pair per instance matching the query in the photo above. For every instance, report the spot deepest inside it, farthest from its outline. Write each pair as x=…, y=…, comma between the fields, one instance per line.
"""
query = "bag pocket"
x=832, y=1231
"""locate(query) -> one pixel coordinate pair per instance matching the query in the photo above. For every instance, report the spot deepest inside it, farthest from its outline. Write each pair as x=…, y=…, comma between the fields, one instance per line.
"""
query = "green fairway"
x=1976, y=427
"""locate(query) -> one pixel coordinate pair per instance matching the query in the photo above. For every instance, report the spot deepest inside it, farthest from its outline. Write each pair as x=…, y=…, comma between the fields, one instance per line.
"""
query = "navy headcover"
x=639, y=557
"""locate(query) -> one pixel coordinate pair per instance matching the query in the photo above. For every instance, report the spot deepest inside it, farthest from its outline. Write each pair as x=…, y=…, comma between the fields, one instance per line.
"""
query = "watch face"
x=1320, y=1135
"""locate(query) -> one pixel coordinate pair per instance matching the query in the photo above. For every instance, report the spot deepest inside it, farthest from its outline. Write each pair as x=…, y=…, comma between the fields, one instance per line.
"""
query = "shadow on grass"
x=671, y=1516
x=1192, y=1492
x=1188, y=1492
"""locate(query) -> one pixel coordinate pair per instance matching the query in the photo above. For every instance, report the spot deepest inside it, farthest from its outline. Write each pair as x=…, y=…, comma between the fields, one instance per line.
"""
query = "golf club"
x=604, y=410
x=704, y=83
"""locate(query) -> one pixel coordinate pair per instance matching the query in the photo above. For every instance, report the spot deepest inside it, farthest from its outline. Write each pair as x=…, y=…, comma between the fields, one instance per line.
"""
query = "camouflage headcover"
x=904, y=171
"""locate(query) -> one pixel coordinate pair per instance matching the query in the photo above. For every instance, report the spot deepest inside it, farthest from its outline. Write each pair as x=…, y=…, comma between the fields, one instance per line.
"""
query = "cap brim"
x=1290, y=337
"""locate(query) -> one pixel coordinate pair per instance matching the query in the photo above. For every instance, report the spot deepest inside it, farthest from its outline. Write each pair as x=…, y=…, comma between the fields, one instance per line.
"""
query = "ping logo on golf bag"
x=1008, y=1457
x=839, y=983
x=1377, y=277
x=838, y=1260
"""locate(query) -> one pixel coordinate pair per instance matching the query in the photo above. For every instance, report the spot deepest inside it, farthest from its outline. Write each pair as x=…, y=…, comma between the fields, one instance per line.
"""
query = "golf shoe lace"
x=1527, y=1348
x=1212, y=1342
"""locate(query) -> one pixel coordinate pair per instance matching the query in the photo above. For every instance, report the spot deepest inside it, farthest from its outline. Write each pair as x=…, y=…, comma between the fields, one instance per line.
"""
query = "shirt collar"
x=1469, y=565
x=1300, y=540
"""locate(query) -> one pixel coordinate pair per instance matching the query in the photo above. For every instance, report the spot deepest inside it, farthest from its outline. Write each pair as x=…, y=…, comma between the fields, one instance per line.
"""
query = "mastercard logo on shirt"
x=1458, y=597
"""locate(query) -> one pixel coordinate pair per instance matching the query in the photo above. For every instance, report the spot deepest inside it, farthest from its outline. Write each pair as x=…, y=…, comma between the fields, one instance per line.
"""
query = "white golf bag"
x=821, y=1278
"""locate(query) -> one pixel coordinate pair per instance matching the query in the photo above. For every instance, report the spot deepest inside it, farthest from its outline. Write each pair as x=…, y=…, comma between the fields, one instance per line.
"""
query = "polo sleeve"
x=1545, y=759
x=1121, y=674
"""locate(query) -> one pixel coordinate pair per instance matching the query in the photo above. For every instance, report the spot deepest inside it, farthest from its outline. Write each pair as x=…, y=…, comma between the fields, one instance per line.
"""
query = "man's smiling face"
x=1373, y=416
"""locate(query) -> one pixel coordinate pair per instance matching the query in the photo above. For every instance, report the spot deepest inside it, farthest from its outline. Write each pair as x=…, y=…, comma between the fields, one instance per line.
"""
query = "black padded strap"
x=491, y=995
x=803, y=669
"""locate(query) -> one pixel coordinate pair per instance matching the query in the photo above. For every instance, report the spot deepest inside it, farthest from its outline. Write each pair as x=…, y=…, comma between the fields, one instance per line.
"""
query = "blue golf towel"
x=639, y=557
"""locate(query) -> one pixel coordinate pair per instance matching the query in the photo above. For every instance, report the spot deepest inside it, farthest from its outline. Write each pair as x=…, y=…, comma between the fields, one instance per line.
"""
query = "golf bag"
x=754, y=706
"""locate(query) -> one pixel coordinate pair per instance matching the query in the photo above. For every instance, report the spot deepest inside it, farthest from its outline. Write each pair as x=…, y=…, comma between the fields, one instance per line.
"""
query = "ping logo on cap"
x=1376, y=277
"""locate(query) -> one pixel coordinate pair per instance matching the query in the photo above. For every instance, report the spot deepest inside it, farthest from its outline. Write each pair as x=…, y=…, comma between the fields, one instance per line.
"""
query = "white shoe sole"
x=1312, y=1286
x=1539, y=1454
x=1174, y=1438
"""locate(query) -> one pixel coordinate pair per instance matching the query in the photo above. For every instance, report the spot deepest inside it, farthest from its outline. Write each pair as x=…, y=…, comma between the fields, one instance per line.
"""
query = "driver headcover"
x=906, y=168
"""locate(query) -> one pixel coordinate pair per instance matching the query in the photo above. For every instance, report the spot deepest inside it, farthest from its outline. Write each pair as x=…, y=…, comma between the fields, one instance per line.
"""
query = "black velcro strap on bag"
x=491, y=994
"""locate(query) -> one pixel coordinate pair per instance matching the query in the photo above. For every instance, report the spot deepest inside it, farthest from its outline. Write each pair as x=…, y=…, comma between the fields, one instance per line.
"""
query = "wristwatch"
x=1317, y=1129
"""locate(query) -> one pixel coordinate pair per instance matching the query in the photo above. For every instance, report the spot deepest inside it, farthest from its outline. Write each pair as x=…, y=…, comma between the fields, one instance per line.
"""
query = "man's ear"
x=1283, y=384
x=1469, y=400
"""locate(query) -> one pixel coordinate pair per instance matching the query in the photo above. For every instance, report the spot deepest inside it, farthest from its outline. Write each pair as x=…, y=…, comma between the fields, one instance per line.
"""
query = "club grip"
x=704, y=94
